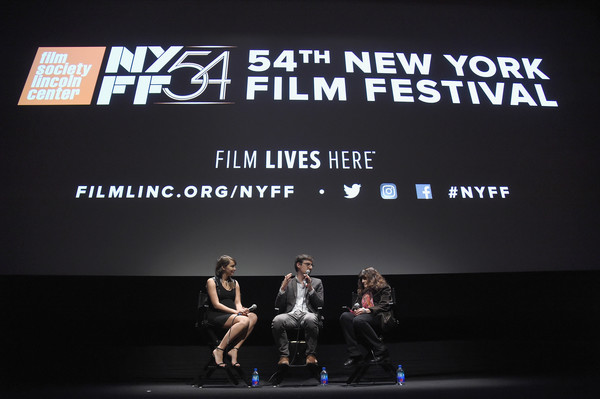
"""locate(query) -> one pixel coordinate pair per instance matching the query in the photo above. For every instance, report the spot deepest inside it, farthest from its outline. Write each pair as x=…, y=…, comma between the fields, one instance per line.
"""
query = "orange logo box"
x=63, y=76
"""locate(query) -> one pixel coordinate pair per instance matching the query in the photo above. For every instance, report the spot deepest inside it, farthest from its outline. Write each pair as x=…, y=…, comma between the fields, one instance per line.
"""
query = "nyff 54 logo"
x=146, y=74
x=180, y=74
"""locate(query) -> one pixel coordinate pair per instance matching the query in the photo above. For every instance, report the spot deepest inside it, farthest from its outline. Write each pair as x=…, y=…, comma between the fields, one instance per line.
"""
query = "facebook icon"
x=424, y=191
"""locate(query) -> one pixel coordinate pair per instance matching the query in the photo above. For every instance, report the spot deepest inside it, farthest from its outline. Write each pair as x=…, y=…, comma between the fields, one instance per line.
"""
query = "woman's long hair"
x=222, y=262
x=374, y=283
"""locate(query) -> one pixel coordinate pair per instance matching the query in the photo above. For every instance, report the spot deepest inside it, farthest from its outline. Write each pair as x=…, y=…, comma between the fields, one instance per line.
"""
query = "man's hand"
x=286, y=281
x=308, y=282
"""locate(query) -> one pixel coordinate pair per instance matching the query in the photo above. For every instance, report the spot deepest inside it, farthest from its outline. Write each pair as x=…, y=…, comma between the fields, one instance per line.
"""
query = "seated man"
x=298, y=301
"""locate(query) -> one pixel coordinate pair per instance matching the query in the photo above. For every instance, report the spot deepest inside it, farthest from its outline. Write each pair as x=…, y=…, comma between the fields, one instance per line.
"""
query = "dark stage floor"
x=457, y=369
x=480, y=387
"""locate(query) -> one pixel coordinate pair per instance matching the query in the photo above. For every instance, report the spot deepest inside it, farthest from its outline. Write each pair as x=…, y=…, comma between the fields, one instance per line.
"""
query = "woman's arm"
x=238, y=300
x=382, y=300
x=211, y=287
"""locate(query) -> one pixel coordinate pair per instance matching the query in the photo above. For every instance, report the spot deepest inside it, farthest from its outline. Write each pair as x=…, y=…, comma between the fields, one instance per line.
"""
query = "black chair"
x=211, y=336
x=359, y=371
x=297, y=345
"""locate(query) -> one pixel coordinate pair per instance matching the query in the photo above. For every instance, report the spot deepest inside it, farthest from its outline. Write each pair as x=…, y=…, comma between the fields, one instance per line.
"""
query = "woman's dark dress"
x=216, y=317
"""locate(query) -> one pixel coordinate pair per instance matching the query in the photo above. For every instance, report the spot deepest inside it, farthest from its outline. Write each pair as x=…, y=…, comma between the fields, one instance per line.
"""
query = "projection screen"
x=148, y=137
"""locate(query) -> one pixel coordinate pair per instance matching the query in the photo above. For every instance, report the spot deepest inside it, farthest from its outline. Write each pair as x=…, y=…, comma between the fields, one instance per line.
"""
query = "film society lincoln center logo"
x=63, y=76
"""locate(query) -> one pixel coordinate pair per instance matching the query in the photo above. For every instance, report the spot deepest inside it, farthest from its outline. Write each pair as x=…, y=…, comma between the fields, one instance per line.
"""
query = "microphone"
x=252, y=308
x=305, y=276
x=356, y=306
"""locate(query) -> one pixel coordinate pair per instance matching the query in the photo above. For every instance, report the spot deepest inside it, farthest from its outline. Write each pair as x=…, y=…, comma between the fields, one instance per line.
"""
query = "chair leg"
x=242, y=376
x=279, y=375
x=284, y=370
x=314, y=371
x=389, y=367
x=358, y=372
x=362, y=368
x=204, y=374
x=228, y=373
x=209, y=369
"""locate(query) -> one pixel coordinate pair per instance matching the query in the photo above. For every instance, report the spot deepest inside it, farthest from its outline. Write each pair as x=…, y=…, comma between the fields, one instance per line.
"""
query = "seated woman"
x=361, y=324
x=226, y=311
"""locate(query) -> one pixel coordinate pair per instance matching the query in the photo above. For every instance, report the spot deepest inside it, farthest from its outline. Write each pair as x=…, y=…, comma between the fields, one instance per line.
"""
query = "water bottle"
x=255, y=378
x=324, y=376
x=399, y=375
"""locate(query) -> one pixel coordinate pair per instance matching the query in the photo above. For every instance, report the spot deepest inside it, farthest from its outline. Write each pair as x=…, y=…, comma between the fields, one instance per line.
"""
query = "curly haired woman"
x=361, y=324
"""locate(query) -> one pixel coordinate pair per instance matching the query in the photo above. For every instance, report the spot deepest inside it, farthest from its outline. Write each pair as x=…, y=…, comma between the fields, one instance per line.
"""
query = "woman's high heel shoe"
x=236, y=364
x=215, y=358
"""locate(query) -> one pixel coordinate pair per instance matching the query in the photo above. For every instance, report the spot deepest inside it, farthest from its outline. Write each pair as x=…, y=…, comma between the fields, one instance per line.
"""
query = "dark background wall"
x=118, y=328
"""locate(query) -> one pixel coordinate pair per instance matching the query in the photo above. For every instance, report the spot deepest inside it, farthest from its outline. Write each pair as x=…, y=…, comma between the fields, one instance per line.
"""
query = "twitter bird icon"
x=352, y=192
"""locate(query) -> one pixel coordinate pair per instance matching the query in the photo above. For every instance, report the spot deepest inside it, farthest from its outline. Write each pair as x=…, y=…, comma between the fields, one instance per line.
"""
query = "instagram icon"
x=388, y=191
